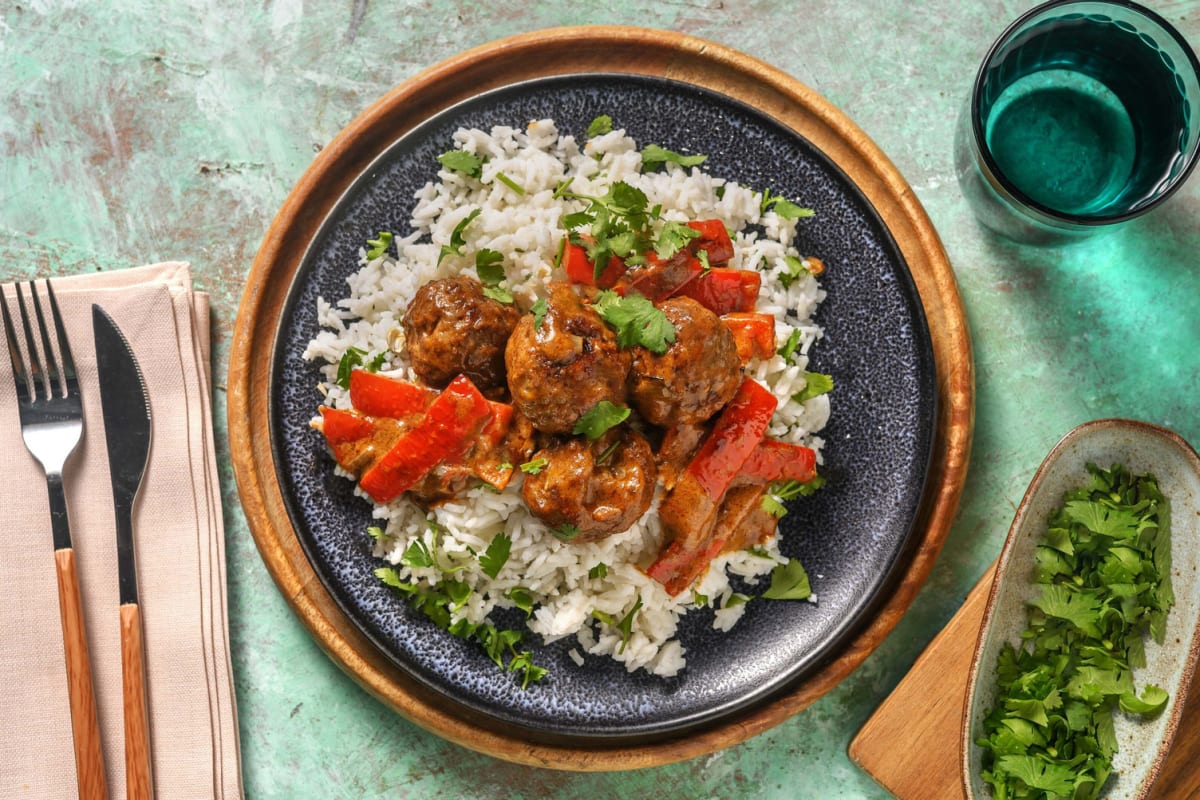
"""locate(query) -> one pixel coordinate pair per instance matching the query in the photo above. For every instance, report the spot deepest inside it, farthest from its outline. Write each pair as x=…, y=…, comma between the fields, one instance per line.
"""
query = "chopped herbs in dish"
x=1103, y=570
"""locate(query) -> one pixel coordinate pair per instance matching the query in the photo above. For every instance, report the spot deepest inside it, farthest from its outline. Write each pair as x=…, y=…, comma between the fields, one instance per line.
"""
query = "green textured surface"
x=166, y=129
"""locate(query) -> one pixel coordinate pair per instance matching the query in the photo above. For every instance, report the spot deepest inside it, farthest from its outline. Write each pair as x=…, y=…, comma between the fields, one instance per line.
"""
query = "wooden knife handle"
x=138, y=781
x=85, y=726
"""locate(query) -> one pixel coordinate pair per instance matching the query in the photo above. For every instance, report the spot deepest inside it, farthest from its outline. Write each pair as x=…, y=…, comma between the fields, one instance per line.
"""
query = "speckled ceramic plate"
x=849, y=536
x=1143, y=448
x=897, y=447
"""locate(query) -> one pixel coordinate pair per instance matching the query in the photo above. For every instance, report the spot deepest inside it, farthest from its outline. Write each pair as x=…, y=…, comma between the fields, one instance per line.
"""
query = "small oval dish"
x=1142, y=742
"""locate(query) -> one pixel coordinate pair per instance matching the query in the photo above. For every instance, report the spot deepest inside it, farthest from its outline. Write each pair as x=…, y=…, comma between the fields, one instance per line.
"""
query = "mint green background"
x=173, y=129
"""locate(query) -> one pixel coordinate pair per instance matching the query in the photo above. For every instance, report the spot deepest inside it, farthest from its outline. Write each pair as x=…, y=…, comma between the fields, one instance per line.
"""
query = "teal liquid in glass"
x=1064, y=139
x=1084, y=115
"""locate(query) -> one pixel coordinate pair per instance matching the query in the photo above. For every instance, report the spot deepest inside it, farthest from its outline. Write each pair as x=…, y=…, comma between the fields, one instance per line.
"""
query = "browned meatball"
x=451, y=328
x=599, y=487
x=697, y=375
x=566, y=365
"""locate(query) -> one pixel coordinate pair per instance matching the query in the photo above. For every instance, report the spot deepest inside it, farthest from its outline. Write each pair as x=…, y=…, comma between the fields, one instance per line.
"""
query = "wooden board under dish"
x=910, y=745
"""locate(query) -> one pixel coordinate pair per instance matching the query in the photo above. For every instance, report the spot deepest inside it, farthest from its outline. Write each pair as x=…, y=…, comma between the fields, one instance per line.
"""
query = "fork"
x=51, y=413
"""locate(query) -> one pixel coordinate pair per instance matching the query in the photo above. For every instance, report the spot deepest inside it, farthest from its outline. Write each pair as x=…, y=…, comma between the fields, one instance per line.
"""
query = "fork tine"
x=60, y=334
x=37, y=373
x=52, y=378
x=14, y=352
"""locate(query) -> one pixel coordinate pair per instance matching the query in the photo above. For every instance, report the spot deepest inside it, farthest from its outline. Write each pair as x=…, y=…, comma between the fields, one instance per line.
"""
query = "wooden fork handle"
x=85, y=726
x=138, y=781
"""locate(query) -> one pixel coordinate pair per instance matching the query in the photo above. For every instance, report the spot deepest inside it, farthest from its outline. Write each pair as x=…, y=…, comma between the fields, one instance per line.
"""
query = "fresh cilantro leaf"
x=376, y=533
x=793, y=270
x=457, y=241
x=772, y=506
x=353, y=357
x=599, y=418
x=600, y=126
x=654, y=155
x=534, y=466
x=417, y=555
x=787, y=209
x=598, y=571
x=539, y=310
x=636, y=320
x=510, y=183
x=489, y=266
x=565, y=532
x=1152, y=701
x=376, y=363
x=674, y=237
x=790, y=346
x=625, y=626
x=789, y=582
x=1038, y=774
x=496, y=555
x=815, y=383
x=378, y=246
x=392, y=578
x=521, y=598
x=699, y=600
x=462, y=162
x=737, y=599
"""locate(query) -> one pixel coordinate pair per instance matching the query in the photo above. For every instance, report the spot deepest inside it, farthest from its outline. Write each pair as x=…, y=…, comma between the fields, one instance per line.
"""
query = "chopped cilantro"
x=352, y=358
x=789, y=582
x=790, y=346
x=489, y=266
x=599, y=418
x=636, y=320
x=737, y=599
x=462, y=162
x=618, y=224
x=653, y=155
x=699, y=600
x=624, y=626
x=535, y=466
x=539, y=310
x=566, y=532
x=1102, y=582
x=378, y=246
x=457, y=241
x=496, y=555
x=510, y=183
x=815, y=383
x=417, y=555
x=598, y=571
x=600, y=126
x=376, y=533
x=793, y=270
x=674, y=237
x=789, y=210
x=521, y=598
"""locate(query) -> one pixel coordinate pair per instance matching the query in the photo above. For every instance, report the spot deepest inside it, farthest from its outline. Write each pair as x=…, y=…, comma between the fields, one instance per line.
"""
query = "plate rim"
x=567, y=51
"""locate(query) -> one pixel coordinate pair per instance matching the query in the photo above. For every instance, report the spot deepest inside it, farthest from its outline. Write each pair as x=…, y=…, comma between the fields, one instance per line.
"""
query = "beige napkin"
x=180, y=544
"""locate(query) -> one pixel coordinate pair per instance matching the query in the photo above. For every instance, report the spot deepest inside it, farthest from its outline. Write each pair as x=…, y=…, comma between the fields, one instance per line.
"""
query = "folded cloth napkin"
x=180, y=551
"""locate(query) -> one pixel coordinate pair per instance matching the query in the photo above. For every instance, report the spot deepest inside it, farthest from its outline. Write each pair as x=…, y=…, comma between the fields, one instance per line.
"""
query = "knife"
x=126, y=412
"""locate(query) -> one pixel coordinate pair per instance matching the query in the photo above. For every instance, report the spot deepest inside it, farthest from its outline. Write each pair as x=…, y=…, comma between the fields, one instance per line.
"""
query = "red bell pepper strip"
x=773, y=460
x=713, y=240
x=754, y=334
x=445, y=433
x=689, y=511
x=737, y=432
x=580, y=269
x=340, y=427
x=660, y=278
x=381, y=396
x=677, y=566
x=725, y=291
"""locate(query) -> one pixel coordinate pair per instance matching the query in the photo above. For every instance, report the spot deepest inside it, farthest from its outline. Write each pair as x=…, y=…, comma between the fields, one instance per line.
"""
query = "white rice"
x=526, y=229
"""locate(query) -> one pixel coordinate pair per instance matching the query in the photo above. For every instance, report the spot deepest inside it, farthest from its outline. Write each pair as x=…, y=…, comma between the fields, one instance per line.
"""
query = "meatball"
x=599, y=487
x=566, y=364
x=451, y=328
x=697, y=375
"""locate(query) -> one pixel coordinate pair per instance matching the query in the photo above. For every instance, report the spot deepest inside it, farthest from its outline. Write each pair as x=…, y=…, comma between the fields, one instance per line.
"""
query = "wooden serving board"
x=910, y=745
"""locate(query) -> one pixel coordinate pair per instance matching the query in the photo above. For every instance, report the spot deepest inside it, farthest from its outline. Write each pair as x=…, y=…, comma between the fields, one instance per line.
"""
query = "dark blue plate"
x=851, y=535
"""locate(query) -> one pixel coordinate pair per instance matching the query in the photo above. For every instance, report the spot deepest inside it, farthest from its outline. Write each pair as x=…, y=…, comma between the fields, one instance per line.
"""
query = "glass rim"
x=998, y=174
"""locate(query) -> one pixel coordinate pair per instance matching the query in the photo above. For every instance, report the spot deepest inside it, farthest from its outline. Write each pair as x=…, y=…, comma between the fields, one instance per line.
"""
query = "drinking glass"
x=1082, y=115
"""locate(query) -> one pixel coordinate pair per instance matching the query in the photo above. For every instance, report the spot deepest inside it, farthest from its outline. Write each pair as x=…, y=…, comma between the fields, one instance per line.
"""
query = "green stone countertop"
x=148, y=130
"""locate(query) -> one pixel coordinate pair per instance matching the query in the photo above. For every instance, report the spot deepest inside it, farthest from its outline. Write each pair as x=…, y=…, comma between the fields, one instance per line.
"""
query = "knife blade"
x=125, y=407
